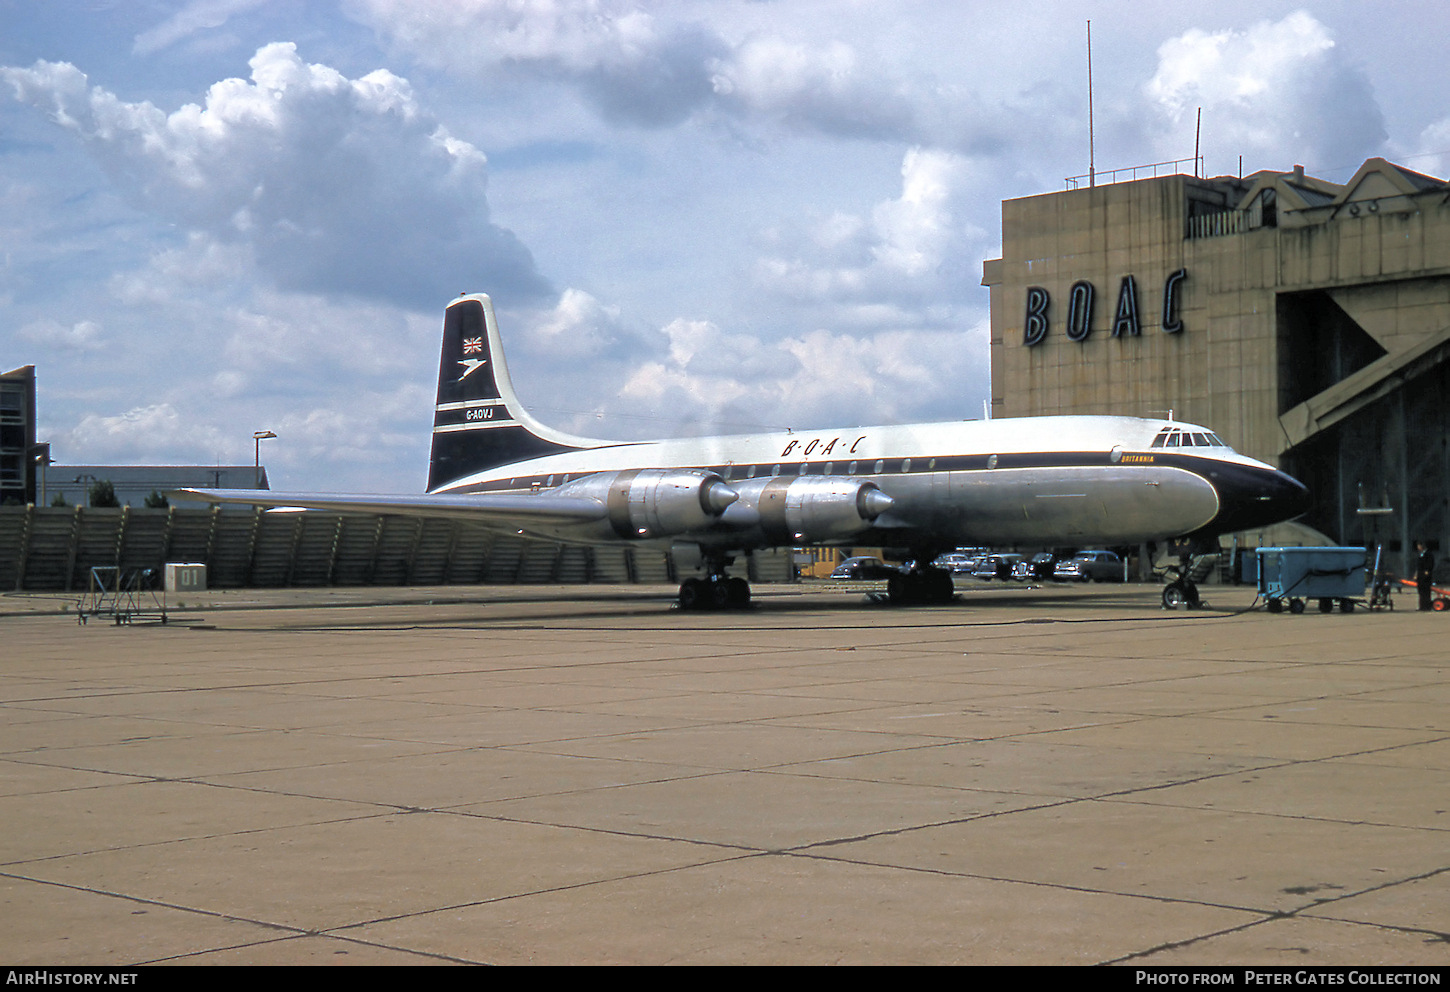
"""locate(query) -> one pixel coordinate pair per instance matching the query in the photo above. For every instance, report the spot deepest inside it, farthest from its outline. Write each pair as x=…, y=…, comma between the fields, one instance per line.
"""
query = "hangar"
x=1307, y=322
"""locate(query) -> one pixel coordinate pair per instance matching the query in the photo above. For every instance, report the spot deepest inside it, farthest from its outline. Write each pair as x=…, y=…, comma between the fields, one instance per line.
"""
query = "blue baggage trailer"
x=1296, y=575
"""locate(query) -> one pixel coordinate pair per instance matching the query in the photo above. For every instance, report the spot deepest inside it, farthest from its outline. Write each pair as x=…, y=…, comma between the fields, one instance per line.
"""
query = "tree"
x=58, y=500
x=156, y=501
x=102, y=493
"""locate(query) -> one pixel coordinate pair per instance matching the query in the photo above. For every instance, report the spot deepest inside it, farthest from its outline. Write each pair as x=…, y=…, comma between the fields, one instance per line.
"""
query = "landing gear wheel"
x=899, y=589
x=739, y=593
x=692, y=594
x=1296, y=606
x=720, y=594
x=940, y=584
x=1183, y=595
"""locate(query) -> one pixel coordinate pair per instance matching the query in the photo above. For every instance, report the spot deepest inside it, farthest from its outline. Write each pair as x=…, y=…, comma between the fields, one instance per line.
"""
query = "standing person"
x=1424, y=574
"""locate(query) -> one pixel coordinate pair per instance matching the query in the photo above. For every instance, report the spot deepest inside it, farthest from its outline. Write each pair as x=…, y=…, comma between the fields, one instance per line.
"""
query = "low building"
x=134, y=483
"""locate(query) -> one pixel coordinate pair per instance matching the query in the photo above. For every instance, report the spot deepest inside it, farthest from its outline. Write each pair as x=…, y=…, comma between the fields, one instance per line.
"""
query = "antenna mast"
x=1092, y=161
x=1197, y=130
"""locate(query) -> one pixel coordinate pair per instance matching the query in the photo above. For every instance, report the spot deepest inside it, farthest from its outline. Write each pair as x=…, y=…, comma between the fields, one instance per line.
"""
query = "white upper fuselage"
x=851, y=451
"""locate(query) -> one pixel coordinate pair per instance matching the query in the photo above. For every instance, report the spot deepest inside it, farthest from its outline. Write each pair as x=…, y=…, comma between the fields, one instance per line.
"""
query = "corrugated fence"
x=54, y=548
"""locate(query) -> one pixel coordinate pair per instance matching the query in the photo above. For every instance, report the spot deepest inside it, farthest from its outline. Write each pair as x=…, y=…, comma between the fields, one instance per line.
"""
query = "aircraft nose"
x=1250, y=496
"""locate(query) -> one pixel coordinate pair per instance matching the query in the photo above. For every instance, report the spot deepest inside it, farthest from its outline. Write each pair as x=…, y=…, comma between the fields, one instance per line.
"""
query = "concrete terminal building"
x=1306, y=322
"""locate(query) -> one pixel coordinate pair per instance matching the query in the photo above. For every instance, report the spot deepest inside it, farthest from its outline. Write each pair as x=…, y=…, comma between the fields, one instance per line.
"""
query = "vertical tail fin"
x=478, y=422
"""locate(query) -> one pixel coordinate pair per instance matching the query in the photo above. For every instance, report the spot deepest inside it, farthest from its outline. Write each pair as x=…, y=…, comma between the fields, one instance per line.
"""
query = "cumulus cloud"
x=333, y=184
x=1430, y=153
x=1276, y=93
x=910, y=249
x=632, y=66
x=578, y=326
x=819, y=378
x=140, y=434
x=643, y=66
x=83, y=335
x=199, y=15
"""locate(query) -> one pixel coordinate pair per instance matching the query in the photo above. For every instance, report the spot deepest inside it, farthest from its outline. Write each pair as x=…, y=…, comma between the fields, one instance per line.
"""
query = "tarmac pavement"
x=583, y=775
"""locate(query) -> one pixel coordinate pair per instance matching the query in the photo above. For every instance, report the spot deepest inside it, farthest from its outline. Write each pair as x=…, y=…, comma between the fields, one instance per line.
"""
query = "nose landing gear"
x=1181, y=592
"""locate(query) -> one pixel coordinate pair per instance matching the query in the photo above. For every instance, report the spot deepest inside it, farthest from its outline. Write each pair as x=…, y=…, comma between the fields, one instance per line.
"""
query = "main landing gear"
x=920, y=586
x=717, y=591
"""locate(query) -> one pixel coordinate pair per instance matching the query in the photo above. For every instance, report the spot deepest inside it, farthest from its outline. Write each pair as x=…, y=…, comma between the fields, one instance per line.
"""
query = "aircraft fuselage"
x=1043, y=480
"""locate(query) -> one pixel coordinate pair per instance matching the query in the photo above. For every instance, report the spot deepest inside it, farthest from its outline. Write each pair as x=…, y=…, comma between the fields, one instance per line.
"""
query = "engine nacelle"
x=649, y=503
x=811, y=509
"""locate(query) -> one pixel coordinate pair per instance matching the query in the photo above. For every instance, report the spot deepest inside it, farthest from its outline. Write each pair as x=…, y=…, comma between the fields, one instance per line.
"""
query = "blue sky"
x=223, y=216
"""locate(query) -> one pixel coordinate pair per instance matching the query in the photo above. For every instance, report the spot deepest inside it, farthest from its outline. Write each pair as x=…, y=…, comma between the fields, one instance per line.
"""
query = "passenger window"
x=774, y=471
x=751, y=473
x=906, y=465
x=851, y=469
x=880, y=464
x=829, y=467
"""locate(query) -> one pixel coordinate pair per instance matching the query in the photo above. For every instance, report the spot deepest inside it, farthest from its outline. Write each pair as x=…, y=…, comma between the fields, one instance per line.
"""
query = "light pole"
x=257, y=438
x=81, y=479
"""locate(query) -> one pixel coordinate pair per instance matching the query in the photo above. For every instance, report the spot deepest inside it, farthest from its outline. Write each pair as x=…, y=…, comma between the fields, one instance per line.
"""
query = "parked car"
x=861, y=568
x=996, y=567
x=956, y=563
x=1038, y=568
x=1094, y=566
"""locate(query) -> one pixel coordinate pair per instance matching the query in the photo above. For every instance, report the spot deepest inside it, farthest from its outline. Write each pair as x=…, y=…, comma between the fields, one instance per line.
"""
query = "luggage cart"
x=1333, y=576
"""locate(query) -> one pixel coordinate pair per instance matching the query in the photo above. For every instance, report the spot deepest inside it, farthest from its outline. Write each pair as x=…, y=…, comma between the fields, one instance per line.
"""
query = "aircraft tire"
x=739, y=593
x=897, y=590
x=692, y=594
x=719, y=595
x=1175, y=598
x=942, y=589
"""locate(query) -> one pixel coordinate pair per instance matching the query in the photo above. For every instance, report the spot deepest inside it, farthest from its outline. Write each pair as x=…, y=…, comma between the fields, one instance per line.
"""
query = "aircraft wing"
x=498, y=512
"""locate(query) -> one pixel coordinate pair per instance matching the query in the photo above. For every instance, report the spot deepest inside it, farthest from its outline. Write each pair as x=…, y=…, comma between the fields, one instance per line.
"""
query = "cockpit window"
x=1173, y=440
x=1200, y=440
x=1158, y=441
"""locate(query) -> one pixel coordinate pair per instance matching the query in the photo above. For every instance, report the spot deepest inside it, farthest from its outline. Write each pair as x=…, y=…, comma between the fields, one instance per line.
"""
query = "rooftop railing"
x=1149, y=171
